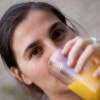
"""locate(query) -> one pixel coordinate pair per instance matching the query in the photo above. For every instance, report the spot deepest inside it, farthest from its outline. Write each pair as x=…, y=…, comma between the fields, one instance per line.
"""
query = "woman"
x=29, y=34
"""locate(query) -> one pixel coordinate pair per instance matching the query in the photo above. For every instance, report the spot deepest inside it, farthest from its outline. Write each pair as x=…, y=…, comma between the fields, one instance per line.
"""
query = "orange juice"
x=87, y=86
x=84, y=84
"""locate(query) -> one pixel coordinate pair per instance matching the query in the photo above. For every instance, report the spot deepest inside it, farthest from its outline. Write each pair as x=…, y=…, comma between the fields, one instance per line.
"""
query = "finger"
x=97, y=73
x=76, y=51
x=69, y=45
x=96, y=58
x=84, y=58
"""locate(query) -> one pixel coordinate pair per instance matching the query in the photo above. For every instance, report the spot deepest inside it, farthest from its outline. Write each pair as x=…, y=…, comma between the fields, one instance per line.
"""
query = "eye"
x=58, y=35
x=37, y=51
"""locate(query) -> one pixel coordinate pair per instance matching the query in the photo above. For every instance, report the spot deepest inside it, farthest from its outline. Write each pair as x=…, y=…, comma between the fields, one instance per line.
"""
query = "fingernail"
x=77, y=69
x=95, y=74
x=63, y=51
x=70, y=63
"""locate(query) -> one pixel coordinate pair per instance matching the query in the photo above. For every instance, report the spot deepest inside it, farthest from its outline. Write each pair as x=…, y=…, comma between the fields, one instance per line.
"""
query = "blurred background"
x=85, y=12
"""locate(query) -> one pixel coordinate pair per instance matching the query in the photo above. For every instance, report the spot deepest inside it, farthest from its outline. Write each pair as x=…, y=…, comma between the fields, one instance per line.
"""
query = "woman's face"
x=35, y=39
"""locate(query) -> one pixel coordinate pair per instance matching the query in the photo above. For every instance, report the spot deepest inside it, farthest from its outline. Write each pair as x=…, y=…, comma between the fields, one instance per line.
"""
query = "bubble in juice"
x=84, y=84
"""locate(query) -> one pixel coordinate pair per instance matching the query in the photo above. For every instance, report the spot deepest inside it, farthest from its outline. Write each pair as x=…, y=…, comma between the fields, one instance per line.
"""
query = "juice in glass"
x=84, y=84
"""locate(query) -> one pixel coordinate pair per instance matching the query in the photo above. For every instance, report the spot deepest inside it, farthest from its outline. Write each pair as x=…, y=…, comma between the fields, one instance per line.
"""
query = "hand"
x=80, y=51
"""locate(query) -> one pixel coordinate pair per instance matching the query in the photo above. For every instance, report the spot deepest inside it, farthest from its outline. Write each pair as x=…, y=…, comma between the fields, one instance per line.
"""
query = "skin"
x=33, y=62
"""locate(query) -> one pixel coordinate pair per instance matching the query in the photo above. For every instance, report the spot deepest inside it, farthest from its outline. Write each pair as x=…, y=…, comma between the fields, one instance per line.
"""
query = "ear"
x=20, y=76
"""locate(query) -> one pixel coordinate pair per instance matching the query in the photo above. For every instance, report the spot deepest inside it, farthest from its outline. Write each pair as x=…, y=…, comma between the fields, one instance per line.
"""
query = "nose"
x=51, y=46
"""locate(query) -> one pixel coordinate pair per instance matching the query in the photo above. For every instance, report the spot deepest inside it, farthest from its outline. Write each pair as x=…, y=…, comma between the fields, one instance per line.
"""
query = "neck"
x=68, y=95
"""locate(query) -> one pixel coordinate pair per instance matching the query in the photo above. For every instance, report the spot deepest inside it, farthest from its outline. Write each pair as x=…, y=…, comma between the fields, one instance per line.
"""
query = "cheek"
x=37, y=71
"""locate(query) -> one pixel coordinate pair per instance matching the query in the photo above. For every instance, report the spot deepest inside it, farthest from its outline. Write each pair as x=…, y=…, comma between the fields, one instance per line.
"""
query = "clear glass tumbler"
x=84, y=84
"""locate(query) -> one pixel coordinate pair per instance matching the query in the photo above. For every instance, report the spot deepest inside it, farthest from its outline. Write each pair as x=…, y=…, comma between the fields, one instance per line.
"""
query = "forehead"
x=31, y=28
x=35, y=19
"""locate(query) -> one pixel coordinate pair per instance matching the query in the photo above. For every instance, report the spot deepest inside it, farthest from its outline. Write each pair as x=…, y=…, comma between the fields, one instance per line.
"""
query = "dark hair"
x=13, y=16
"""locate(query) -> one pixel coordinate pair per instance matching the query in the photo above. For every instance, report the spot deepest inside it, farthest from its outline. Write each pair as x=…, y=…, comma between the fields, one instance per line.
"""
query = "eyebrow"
x=31, y=45
x=52, y=27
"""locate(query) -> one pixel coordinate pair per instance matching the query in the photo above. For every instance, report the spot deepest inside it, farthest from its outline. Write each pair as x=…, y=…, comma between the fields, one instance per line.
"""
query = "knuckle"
x=66, y=45
x=91, y=48
x=72, y=55
x=81, y=40
x=78, y=37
